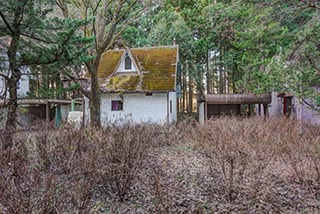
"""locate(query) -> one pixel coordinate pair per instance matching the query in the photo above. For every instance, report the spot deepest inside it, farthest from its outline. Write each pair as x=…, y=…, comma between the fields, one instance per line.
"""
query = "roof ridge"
x=155, y=47
x=145, y=48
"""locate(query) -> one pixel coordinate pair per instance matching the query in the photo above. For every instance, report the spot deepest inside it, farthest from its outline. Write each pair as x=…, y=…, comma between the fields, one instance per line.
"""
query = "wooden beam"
x=39, y=102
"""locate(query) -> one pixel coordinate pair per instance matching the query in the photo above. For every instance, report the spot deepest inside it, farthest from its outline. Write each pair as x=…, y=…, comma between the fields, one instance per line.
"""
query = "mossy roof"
x=158, y=68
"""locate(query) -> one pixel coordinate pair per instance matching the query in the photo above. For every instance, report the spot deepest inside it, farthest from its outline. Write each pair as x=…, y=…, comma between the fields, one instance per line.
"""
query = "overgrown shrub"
x=55, y=171
x=248, y=157
x=228, y=165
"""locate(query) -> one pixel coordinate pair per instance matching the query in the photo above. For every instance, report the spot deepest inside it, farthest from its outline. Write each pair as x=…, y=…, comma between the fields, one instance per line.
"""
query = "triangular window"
x=127, y=62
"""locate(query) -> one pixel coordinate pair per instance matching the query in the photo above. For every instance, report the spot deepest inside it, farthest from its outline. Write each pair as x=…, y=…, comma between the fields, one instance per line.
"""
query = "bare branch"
x=62, y=4
x=6, y=22
x=127, y=10
x=4, y=76
x=114, y=23
x=37, y=38
x=298, y=45
x=311, y=61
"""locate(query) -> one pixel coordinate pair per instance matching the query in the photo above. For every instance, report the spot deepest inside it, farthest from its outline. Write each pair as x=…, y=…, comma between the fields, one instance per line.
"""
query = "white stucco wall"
x=23, y=86
x=137, y=107
x=2, y=86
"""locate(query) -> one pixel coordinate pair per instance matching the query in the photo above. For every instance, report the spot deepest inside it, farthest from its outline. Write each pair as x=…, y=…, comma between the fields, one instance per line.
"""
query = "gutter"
x=168, y=107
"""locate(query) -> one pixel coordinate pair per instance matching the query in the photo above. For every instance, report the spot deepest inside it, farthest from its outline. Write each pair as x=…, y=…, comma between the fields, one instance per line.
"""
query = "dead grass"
x=227, y=165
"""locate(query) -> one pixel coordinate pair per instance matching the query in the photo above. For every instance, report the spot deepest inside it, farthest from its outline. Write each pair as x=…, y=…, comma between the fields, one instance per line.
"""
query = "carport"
x=233, y=105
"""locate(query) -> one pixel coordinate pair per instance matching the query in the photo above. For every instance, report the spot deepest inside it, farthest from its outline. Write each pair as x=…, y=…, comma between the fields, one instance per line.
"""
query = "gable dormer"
x=127, y=64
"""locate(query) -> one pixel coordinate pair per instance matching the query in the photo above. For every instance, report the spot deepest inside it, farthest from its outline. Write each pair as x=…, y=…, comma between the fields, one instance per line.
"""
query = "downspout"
x=206, y=110
x=300, y=116
x=83, y=112
x=168, y=107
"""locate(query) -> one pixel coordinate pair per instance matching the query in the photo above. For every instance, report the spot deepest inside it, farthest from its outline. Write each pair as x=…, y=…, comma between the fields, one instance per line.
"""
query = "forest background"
x=234, y=46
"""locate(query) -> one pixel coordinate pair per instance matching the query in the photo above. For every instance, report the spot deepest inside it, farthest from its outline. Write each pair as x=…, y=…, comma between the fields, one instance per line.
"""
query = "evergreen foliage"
x=35, y=36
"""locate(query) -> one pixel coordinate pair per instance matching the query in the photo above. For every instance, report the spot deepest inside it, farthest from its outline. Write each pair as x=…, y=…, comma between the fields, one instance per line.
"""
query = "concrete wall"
x=275, y=108
x=307, y=114
x=300, y=110
x=201, y=113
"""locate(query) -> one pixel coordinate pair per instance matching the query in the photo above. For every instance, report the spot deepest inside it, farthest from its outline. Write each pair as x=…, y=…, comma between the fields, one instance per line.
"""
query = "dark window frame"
x=127, y=62
x=116, y=105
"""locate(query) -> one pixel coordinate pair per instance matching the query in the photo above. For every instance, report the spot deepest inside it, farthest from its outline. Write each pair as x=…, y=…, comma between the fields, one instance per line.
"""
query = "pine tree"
x=35, y=36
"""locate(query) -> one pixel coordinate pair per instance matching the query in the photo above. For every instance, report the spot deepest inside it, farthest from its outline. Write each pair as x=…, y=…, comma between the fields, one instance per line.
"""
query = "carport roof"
x=238, y=98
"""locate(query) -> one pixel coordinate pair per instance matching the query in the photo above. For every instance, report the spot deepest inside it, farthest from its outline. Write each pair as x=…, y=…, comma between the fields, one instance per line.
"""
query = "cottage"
x=139, y=85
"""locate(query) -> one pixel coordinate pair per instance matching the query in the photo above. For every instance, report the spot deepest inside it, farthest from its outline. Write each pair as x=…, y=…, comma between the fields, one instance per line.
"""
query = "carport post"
x=48, y=112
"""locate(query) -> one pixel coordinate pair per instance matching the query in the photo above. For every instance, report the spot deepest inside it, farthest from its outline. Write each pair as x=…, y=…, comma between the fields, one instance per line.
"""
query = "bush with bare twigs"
x=246, y=165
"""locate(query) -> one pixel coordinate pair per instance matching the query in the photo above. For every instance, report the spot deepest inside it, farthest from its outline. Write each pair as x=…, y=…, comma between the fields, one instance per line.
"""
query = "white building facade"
x=139, y=86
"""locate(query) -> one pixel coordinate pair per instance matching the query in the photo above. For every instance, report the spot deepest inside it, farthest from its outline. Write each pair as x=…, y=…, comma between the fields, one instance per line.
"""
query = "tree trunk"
x=95, y=100
x=208, y=72
x=12, y=114
x=190, y=95
x=12, y=105
x=184, y=89
x=221, y=72
x=13, y=79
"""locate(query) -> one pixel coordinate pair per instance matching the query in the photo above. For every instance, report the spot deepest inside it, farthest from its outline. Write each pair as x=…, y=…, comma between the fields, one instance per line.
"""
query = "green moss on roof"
x=158, y=66
x=123, y=83
x=108, y=63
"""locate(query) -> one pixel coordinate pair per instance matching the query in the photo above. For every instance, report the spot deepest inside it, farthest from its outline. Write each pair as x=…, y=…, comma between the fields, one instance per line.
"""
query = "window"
x=127, y=62
x=116, y=105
